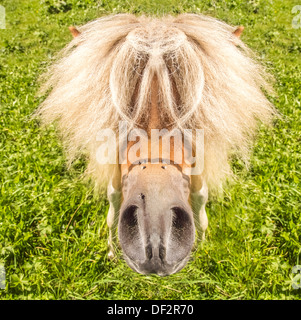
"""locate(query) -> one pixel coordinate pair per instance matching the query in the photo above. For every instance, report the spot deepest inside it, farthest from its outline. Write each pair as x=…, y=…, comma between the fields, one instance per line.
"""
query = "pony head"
x=186, y=72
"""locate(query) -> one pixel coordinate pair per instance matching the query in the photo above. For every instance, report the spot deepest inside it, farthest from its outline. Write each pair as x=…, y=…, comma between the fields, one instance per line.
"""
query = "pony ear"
x=238, y=31
x=74, y=31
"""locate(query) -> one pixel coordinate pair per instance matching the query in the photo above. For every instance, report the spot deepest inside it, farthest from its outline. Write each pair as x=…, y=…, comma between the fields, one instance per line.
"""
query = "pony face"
x=175, y=72
x=156, y=227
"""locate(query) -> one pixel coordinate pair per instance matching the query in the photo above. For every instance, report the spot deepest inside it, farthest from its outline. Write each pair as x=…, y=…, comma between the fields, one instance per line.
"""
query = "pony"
x=157, y=74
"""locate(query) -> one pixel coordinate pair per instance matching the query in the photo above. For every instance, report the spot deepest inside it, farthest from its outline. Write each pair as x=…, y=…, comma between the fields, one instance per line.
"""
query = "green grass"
x=53, y=234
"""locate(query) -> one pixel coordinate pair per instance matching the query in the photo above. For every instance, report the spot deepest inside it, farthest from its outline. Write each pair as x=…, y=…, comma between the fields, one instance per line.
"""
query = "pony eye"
x=142, y=168
x=163, y=167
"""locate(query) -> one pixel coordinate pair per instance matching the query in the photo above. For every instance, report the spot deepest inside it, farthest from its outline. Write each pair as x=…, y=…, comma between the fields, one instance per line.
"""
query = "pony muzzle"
x=158, y=243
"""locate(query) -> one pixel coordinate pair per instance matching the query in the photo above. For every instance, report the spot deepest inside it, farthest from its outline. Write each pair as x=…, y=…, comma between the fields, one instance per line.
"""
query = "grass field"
x=53, y=233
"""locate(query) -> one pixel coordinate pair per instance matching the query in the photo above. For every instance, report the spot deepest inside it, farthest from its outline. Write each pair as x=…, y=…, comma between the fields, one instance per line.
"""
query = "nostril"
x=130, y=216
x=180, y=218
x=149, y=252
x=162, y=252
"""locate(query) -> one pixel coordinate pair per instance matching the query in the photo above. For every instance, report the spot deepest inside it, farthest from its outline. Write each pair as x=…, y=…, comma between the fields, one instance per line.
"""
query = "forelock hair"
x=207, y=79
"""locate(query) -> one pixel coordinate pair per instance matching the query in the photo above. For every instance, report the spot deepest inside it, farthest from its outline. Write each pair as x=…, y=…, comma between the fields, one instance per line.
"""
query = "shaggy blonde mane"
x=207, y=79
